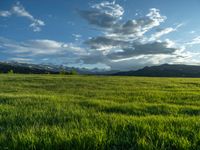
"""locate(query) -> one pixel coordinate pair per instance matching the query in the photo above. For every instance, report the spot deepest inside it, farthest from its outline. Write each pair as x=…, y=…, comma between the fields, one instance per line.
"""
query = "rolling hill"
x=165, y=70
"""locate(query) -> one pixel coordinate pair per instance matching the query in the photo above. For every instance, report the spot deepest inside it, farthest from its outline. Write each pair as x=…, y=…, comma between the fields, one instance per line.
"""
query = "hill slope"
x=25, y=68
x=89, y=112
x=165, y=70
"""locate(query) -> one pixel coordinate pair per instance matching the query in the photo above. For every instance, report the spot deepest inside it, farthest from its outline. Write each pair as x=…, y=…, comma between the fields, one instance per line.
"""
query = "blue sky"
x=121, y=34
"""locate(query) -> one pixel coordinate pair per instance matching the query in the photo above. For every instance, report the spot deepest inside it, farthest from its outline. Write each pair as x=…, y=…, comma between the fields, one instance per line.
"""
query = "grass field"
x=88, y=112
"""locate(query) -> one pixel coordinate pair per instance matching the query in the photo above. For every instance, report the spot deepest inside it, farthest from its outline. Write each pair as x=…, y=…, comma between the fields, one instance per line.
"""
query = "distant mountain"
x=25, y=68
x=165, y=70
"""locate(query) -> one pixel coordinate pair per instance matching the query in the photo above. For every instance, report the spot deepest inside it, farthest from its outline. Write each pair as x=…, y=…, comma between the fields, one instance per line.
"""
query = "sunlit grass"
x=88, y=112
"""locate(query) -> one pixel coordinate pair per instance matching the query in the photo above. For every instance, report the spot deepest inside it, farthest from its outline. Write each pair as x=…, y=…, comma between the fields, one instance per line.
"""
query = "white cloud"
x=36, y=25
x=45, y=44
x=192, y=32
x=162, y=32
x=37, y=50
x=194, y=41
x=125, y=44
x=155, y=17
x=110, y=9
x=22, y=60
x=43, y=51
x=122, y=44
x=20, y=11
x=136, y=28
x=5, y=13
x=104, y=14
x=170, y=43
x=77, y=36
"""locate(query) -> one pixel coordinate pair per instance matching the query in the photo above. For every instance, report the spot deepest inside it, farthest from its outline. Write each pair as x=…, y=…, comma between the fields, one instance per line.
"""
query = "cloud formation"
x=104, y=14
x=20, y=11
x=194, y=41
x=143, y=49
x=121, y=44
x=37, y=50
x=138, y=27
x=5, y=13
x=126, y=41
x=162, y=32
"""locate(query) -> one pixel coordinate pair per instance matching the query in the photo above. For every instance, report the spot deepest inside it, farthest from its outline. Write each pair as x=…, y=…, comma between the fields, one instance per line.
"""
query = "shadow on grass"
x=140, y=110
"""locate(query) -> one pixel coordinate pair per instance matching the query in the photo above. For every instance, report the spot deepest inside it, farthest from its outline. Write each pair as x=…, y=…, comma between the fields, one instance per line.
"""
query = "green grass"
x=88, y=112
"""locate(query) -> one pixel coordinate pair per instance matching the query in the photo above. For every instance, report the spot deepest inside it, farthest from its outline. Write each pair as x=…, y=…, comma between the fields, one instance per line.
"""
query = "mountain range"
x=165, y=70
x=26, y=68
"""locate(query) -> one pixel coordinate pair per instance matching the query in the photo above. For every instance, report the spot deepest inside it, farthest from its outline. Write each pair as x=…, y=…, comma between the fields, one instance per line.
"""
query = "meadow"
x=98, y=112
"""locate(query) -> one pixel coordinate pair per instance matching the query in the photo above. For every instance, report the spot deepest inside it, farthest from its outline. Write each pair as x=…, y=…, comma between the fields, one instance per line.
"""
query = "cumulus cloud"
x=138, y=27
x=121, y=44
x=20, y=11
x=103, y=43
x=41, y=48
x=124, y=42
x=110, y=9
x=104, y=14
x=143, y=49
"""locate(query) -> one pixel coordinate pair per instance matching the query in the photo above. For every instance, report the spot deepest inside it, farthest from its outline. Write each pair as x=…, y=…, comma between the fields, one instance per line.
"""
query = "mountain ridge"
x=26, y=68
x=164, y=70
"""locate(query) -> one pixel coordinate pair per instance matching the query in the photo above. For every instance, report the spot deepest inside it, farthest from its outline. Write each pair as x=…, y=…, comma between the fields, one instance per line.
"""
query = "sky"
x=112, y=35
